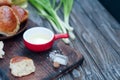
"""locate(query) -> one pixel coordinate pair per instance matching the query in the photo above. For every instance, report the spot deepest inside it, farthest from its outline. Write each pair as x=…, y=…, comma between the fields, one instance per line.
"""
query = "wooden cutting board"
x=44, y=66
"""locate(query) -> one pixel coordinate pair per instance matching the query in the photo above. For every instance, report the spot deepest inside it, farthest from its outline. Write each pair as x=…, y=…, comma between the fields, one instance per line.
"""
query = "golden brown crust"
x=20, y=12
x=18, y=59
x=21, y=66
x=9, y=23
x=5, y=2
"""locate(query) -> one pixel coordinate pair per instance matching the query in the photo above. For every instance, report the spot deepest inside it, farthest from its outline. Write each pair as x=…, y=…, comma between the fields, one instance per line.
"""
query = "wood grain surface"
x=97, y=38
x=44, y=65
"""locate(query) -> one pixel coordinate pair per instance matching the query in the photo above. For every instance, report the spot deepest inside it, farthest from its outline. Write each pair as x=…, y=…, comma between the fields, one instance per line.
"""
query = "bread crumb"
x=1, y=49
x=1, y=44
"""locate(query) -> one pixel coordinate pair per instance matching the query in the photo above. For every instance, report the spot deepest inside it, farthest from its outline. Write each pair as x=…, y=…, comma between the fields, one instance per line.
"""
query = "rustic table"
x=97, y=38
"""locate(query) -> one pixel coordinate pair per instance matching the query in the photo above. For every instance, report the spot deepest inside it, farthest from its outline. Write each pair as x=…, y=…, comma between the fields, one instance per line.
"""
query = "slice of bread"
x=21, y=66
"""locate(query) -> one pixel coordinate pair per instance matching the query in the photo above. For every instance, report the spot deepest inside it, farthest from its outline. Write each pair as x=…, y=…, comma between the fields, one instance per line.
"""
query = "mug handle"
x=59, y=36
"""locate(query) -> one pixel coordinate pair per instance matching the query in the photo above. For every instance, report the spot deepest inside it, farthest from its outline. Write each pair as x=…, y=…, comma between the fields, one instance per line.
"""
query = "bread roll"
x=21, y=66
x=9, y=23
x=21, y=13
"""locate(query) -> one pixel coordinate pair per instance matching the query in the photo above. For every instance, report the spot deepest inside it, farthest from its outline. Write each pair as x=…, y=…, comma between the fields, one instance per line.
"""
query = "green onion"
x=67, y=5
x=49, y=9
x=21, y=3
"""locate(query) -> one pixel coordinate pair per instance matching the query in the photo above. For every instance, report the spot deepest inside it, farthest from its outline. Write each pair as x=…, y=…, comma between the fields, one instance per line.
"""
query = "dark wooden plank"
x=86, y=72
x=104, y=55
x=44, y=68
x=108, y=26
x=80, y=22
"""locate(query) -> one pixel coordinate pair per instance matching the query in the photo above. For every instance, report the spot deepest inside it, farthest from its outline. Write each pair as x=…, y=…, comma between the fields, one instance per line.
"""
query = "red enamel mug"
x=40, y=39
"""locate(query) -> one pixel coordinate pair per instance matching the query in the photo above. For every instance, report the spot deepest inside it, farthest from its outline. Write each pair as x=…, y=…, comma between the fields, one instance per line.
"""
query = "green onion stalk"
x=67, y=5
x=21, y=3
x=49, y=11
